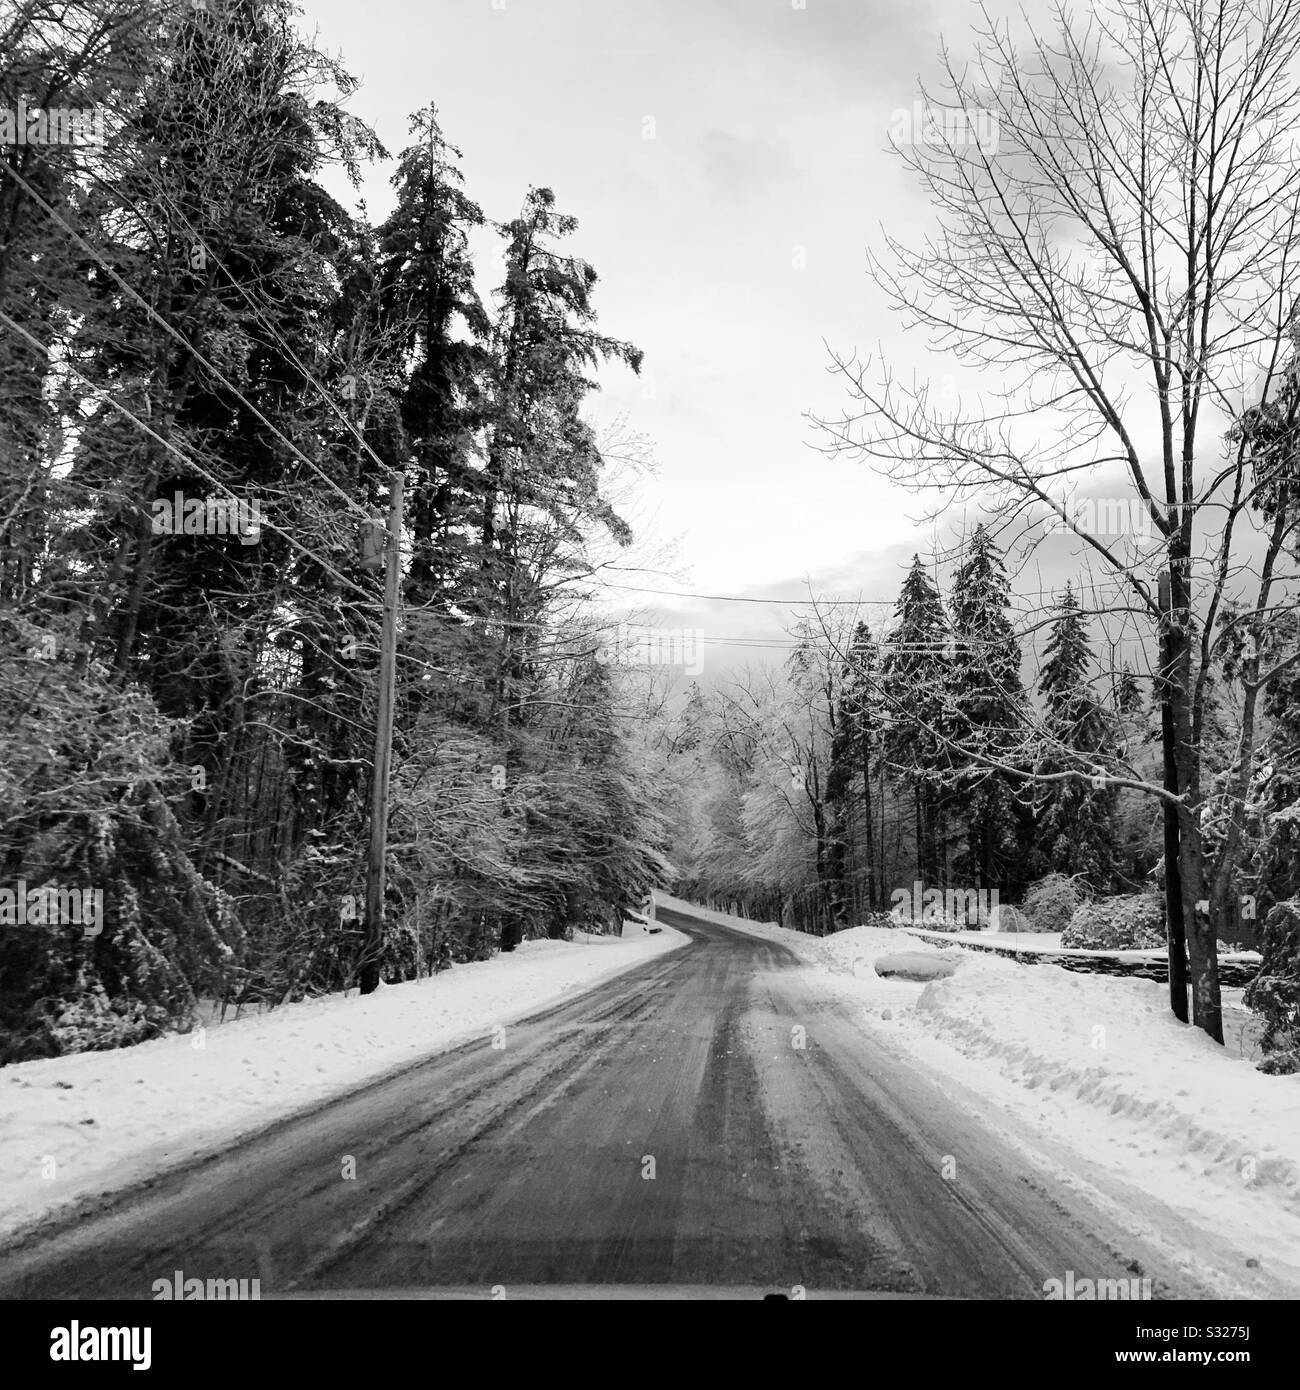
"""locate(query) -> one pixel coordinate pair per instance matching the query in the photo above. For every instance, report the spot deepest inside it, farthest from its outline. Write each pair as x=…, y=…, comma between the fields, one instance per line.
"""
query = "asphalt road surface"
x=708, y=1118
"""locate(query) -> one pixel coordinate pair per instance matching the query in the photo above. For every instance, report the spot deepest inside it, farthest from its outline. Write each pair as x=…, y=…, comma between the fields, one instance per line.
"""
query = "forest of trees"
x=188, y=713
x=863, y=765
x=211, y=370
x=1115, y=269
x=908, y=750
x=1118, y=271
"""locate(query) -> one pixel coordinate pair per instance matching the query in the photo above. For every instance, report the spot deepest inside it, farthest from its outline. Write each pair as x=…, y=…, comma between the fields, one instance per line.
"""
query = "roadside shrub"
x=878, y=919
x=1052, y=902
x=1133, y=921
x=1284, y=1063
x=1274, y=994
x=929, y=921
x=87, y=793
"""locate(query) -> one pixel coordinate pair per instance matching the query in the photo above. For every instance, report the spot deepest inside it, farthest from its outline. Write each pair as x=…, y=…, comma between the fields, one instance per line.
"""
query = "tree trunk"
x=871, y=831
x=881, y=896
x=1175, y=925
x=1202, y=952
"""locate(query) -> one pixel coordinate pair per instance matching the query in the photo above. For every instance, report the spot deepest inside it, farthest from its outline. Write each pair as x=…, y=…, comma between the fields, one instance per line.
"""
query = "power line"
x=350, y=502
x=791, y=602
x=735, y=598
x=175, y=209
x=171, y=448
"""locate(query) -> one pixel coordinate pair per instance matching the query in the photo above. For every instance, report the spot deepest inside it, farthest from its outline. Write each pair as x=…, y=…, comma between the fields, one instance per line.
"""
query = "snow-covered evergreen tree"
x=913, y=676
x=854, y=745
x=1275, y=788
x=985, y=716
x=1074, y=830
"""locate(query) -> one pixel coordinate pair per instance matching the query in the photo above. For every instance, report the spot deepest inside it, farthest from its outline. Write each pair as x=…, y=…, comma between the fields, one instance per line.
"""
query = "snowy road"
x=707, y=1118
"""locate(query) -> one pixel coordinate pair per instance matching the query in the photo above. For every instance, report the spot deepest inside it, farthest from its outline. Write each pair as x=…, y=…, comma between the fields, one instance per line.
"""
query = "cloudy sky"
x=729, y=164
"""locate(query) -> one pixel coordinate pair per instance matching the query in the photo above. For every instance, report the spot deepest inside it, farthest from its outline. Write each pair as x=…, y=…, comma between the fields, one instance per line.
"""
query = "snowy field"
x=78, y=1125
x=1099, y=1064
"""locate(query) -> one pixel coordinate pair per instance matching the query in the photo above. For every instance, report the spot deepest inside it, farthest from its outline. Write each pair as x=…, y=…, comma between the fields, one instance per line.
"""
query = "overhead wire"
x=171, y=448
x=189, y=347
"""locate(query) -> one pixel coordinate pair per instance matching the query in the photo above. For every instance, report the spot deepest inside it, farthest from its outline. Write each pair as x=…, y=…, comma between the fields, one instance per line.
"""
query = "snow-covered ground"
x=1241, y=1026
x=1095, y=1065
x=1098, y=1063
x=73, y=1126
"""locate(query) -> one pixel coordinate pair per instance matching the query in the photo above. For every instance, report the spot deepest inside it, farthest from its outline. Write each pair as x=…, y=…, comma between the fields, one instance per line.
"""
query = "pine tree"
x=187, y=714
x=1275, y=785
x=913, y=677
x=541, y=477
x=1274, y=865
x=1073, y=819
x=1128, y=694
x=985, y=716
x=429, y=304
x=854, y=745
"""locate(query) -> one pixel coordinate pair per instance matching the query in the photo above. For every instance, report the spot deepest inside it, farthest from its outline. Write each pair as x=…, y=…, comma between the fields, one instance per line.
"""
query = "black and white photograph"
x=649, y=652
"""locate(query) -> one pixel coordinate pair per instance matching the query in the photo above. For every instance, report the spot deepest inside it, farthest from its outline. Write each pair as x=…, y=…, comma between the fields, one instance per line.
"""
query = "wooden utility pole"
x=1175, y=927
x=373, y=946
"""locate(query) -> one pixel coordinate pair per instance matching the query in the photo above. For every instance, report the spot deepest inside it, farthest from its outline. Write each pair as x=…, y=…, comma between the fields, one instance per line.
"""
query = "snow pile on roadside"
x=1113, y=1043
x=855, y=952
x=1110, y=1042
x=1101, y=1053
x=71, y=1126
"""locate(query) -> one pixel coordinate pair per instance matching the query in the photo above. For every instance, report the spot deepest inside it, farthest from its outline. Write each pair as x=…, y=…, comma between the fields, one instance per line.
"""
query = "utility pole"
x=375, y=876
x=1175, y=927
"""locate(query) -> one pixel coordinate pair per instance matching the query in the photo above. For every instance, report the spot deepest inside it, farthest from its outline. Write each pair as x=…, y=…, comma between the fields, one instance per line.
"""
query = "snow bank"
x=914, y=965
x=72, y=1126
x=1098, y=1062
x=1112, y=1044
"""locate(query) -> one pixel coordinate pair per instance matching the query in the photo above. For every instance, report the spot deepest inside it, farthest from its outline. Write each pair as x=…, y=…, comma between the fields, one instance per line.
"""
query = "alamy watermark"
x=52, y=906
x=1083, y=1290
x=942, y=126
x=73, y=1342
x=179, y=515
x=51, y=125
x=178, y=1288
x=1102, y=516
x=660, y=646
x=977, y=906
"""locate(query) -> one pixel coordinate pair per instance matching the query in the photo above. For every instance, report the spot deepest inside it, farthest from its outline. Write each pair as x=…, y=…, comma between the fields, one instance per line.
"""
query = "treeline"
x=918, y=749
x=209, y=369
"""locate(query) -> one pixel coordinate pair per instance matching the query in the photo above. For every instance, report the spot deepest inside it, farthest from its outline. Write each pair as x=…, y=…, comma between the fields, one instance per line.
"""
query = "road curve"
x=708, y=1118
